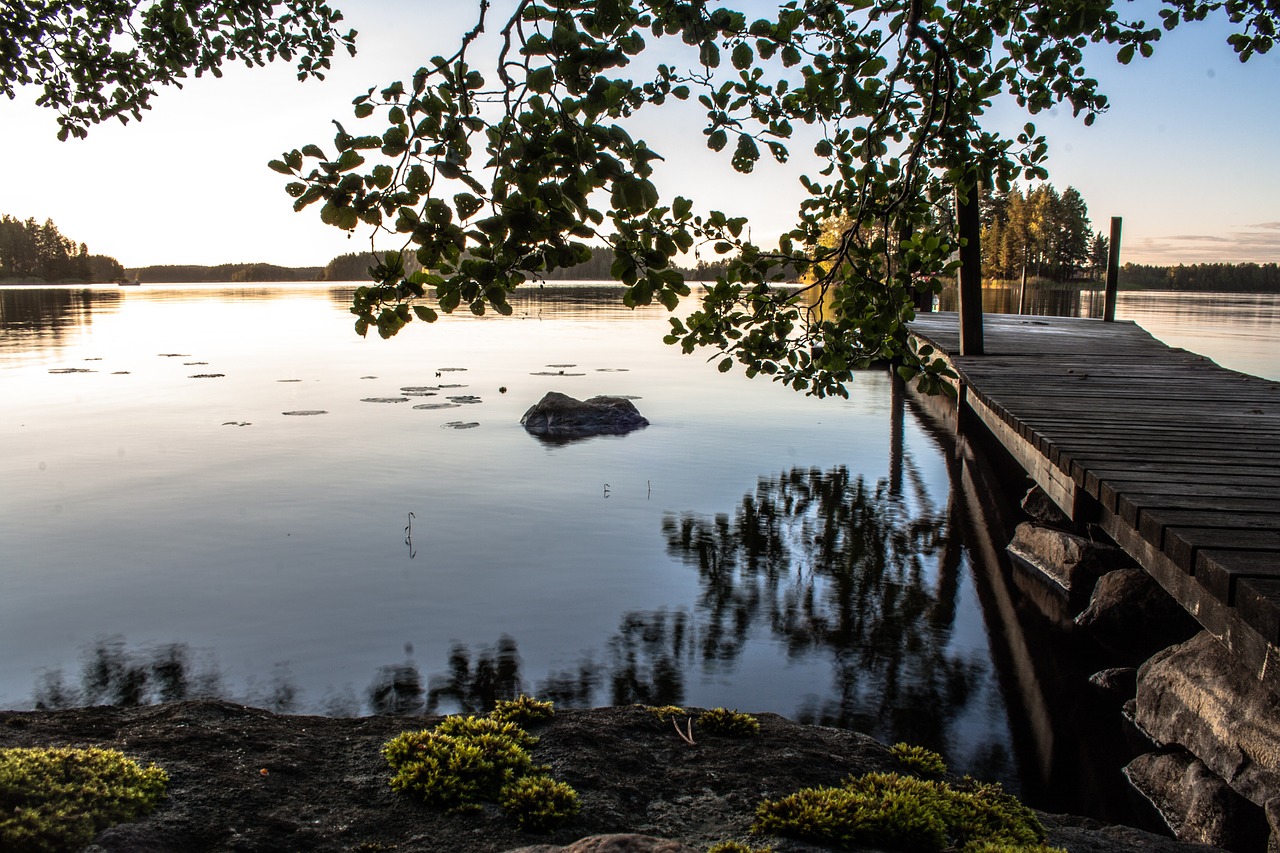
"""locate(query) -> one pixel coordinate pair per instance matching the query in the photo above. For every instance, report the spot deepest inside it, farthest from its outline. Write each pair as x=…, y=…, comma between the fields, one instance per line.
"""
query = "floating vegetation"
x=193, y=363
x=554, y=373
x=94, y=358
x=368, y=377
x=174, y=354
x=302, y=412
x=71, y=370
x=613, y=370
x=465, y=398
x=206, y=376
x=460, y=425
x=561, y=365
x=237, y=423
x=419, y=390
x=450, y=369
x=288, y=380
x=436, y=406
x=455, y=385
x=119, y=373
x=384, y=400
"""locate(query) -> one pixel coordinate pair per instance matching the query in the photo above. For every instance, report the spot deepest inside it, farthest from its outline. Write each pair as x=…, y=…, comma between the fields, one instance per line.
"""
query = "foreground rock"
x=559, y=416
x=245, y=779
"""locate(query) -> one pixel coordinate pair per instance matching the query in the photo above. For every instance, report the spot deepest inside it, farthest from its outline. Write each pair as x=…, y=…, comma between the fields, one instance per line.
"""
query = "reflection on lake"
x=169, y=536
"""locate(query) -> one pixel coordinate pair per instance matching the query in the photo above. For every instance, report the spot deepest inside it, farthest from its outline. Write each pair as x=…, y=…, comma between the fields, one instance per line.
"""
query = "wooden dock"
x=1176, y=458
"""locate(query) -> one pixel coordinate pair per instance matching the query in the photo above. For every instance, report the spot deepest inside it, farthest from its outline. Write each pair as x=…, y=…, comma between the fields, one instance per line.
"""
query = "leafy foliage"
x=100, y=59
x=722, y=721
x=58, y=798
x=500, y=171
x=905, y=813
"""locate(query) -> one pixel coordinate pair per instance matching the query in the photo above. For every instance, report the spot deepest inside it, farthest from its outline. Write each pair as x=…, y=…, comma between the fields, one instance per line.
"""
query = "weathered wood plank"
x=1258, y=600
x=1218, y=570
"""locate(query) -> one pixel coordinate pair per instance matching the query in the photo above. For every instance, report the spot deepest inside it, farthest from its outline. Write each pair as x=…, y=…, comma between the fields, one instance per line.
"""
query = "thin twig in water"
x=408, y=536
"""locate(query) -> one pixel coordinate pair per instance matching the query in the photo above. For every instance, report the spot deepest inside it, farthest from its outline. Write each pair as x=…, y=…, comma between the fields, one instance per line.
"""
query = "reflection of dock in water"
x=1068, y=742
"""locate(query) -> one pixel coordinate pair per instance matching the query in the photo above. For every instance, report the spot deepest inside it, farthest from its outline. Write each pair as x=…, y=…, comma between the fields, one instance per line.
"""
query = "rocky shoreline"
x=245, y=779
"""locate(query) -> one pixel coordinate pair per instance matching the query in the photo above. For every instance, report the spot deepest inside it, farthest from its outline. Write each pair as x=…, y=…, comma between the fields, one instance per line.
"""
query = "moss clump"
x=905, y=813
x=522, y=711
x=539, y=803
x=465, y=761
x=58, y=799
x=736, y=847
x=917, y=759
x=666, y=712
x=722, y=721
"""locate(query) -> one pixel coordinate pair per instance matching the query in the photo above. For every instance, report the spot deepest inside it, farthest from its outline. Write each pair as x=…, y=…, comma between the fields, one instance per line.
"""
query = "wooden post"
x=1113, y=272
x=1022, y=291
x=969, y=228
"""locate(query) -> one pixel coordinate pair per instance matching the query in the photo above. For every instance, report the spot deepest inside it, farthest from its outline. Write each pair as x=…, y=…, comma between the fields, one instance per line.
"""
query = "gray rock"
x=623, y=843
x=1272, y=812
x=1194, y=801
x=559, y=416
x=1037, y=504
x=1118, y=684
x=1197, y=696
x=1132, y=617
x=1071, y=562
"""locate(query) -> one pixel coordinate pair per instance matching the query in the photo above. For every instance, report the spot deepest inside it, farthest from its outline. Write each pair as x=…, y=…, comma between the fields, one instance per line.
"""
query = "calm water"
x=168, y=529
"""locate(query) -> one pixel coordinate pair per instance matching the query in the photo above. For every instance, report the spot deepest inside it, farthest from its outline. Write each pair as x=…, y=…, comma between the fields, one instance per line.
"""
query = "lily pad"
x=465, y=398
x=562, y=365
x=455, y=385
x=119, y=373
x=237, y=423
x=450, y=369
x=94, y=358
x=193, y=363
x=419, y=389
x=302, y=412
x=174, y=354
x=460, y=425
x=554, y=373
x=368, y=377
x=288, y=380
x=437, y=406
x=613, y=370
x=207, y=376
x=71, y=370
x=385, y=400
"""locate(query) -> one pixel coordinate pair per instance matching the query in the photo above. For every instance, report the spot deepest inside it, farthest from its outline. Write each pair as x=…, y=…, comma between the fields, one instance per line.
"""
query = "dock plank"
x=1181, y=455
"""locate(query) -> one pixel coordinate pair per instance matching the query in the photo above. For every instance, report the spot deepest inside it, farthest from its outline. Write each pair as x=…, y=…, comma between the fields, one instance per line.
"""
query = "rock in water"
x=559, y=416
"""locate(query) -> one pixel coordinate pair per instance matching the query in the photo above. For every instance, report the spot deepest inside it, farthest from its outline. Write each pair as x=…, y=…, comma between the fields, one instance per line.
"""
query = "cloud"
x=1254, y=243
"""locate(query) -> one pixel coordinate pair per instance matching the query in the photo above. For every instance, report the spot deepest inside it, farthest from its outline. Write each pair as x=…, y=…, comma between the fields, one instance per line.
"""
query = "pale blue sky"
x=1187, y=154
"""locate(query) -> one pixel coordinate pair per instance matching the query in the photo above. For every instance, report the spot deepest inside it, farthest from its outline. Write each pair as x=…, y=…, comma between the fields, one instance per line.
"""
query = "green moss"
x=736, y=847
x=905, y=813
x=919, y=760
x=539, y=803
x=666, y=712
x=722, y=721
x=455, y=772
x=58, y=799
x=466, y=761
x=523, y=711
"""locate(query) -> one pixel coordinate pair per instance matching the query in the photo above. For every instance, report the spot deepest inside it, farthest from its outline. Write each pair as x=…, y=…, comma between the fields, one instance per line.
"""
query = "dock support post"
x=1113, y=272
x=969, y=288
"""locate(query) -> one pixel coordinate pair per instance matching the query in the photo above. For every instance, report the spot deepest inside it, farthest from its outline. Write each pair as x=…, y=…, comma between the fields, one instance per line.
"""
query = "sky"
x=1187, y=154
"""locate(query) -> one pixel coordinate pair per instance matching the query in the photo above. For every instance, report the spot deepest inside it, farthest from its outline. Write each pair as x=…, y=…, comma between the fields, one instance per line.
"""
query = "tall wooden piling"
x=1113, y=272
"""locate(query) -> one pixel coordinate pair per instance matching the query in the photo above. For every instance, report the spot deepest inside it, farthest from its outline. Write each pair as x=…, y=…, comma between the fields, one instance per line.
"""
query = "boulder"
x=1117, y=684
x=559, y=417
x=1194, y=801
x=1197, y=696
x=1132, y=617
x=1037, y=504
x=619, y=843
x=1070, y=562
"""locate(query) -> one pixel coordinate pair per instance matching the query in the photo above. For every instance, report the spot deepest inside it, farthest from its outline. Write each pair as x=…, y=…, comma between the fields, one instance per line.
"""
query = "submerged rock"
x=1194, y=801
x=1132, y=617
x=559, y=416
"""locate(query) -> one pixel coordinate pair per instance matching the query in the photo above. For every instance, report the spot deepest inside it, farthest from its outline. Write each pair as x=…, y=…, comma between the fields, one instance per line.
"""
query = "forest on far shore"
x=35, y=253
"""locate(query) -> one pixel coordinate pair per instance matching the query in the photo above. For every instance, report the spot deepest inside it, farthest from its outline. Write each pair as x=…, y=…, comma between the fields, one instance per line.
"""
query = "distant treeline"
x=192, y=273
x=1225, y=278
x=355, y=267
x=31, y=253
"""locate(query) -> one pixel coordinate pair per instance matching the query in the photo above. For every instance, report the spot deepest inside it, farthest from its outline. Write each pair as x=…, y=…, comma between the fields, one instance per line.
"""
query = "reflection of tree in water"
x=113, y=675
x=38, y=312
x=830, y=564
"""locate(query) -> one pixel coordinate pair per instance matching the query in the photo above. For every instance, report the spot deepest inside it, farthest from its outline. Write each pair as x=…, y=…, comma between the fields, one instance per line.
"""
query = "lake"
x=222, y=490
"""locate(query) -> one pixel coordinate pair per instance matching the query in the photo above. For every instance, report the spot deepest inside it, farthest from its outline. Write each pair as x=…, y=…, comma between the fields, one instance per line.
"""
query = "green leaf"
x=743, y=56
x=425, y=314
x=725, y=365
x=280, y=166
